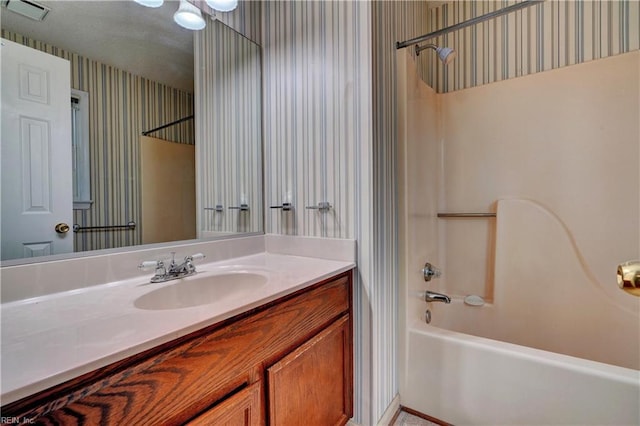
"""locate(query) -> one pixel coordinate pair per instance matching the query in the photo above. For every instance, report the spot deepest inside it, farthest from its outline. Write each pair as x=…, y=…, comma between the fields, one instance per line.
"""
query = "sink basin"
x=201, y=290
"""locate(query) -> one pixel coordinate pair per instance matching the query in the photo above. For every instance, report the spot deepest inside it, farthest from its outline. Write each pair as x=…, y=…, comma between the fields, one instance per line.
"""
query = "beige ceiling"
x=121, y=33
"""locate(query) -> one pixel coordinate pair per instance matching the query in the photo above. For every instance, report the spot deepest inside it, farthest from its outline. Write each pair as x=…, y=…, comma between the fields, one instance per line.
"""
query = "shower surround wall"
x=568, y=138
x=570, y=142
x=567, y=142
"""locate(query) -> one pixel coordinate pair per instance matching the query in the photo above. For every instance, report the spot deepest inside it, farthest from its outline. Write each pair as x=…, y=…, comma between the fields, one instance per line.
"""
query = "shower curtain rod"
x=469, y=22
x=173, y=123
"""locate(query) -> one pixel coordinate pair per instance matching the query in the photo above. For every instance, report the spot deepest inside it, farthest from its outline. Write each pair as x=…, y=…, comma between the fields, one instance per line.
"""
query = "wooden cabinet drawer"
x=176, y=382
x=241, y=409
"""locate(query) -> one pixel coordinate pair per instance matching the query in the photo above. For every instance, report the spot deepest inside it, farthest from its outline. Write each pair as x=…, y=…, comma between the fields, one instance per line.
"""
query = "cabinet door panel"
x=242, y=409
x=312, y=385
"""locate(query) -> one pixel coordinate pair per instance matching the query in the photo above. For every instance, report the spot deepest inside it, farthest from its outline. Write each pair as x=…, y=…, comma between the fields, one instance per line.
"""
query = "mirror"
x=137, y=67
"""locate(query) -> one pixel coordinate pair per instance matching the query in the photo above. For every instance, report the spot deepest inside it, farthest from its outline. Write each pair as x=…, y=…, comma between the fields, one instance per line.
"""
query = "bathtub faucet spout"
x=430, y=296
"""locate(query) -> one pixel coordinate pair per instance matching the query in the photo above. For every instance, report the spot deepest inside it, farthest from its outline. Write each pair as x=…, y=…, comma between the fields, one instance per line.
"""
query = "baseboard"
x=424, y=416
x=391, y=413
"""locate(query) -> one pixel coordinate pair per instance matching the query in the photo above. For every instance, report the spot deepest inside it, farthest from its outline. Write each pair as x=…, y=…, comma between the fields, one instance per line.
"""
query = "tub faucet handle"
x=429, y=271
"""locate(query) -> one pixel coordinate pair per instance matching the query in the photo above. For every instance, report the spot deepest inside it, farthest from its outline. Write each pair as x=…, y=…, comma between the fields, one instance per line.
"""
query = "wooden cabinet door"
x=241, y=409
x=313, y=384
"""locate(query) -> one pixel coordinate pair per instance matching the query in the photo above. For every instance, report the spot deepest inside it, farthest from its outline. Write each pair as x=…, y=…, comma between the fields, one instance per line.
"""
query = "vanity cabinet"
x=288, y=362
x=241, y=409
x=307, y=387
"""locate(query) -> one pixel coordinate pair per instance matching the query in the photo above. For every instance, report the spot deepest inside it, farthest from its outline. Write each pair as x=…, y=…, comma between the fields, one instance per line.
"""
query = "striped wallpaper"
x=551, y=35
x=228, y=81
x=313, y=70
x=330, y=136
x=317, y=97
x=246, y=19
x=392, y=21
x=121, y=106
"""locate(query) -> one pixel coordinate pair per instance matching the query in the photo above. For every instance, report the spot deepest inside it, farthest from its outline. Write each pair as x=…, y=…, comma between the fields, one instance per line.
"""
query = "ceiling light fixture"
x=150, y=3
x=188, y=16
x=222, y=5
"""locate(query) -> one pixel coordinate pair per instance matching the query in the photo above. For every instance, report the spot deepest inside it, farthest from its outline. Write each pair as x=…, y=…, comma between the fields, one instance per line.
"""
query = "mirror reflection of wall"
x=230, y=95
x=123, y=103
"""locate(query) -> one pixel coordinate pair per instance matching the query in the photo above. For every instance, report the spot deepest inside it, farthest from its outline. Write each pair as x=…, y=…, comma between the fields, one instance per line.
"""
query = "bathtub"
x=464, y=380
x=546, y=349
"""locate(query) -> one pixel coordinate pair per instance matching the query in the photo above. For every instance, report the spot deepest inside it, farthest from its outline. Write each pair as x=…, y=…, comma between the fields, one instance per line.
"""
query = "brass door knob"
x=629, y=277
x=62, y=228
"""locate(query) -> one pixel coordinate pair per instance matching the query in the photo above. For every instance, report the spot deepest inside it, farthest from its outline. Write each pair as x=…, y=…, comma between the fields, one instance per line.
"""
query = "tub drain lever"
x=429, y=271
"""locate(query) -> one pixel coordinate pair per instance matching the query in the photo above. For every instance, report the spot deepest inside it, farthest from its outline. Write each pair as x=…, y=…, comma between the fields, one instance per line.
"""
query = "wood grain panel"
x=312, y=385
x=175, y=385
x=241, y=409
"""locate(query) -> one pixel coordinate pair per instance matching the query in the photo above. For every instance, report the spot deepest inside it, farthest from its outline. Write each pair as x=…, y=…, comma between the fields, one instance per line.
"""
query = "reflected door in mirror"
x=36, y=147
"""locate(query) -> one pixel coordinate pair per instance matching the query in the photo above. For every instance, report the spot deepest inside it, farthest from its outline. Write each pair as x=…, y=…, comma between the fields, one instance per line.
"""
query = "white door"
x=36, y=153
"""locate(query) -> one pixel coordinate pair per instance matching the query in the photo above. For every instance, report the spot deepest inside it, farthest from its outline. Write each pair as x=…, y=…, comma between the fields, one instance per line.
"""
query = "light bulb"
x=150, y=3
x=188, y=16
x=222, y=5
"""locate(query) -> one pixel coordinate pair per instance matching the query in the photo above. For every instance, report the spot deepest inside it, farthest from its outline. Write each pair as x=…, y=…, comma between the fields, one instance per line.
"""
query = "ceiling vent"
x=28, y=8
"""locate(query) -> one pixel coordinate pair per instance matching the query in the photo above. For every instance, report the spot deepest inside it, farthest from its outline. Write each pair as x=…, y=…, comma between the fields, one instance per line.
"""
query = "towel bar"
x=473, y=215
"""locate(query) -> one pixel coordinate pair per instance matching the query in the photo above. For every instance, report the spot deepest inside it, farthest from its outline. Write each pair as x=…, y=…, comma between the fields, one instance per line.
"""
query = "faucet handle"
x=429, y=271
x=188, y=262
x=286, y=207
x=196, y=256
x=150, y=264
x=323, y=206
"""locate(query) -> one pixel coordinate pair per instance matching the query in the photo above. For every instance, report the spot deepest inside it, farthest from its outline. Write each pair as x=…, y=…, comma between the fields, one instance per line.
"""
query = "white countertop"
x=49, y=339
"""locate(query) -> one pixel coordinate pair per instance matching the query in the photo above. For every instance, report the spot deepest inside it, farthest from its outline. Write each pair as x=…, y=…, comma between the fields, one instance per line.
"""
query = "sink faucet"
x=174, y=270
x=430, y=296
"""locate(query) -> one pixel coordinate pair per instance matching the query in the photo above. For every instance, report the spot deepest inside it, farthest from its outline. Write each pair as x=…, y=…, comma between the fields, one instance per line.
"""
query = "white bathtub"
x=464, y=380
